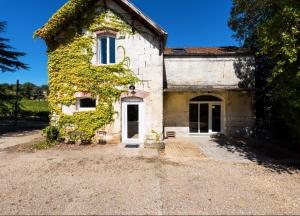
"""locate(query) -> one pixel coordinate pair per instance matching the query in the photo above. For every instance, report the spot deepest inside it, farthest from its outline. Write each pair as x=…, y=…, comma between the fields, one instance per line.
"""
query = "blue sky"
x=190, y=23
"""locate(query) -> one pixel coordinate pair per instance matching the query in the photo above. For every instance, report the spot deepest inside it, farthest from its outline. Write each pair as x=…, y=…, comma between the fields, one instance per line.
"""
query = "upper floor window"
x=106, y=50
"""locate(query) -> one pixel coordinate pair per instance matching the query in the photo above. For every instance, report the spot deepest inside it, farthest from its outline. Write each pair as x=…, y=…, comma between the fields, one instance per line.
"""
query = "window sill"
x=101, y=65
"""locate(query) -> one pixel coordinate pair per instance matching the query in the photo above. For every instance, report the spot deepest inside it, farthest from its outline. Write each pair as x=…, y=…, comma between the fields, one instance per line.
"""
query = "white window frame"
x=210, y=105
x=107, y=36
x=125, y=104
x=82, y=109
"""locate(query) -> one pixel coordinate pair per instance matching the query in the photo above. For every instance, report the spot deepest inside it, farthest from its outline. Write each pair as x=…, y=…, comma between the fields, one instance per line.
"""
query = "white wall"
x=215, y=72
x=146, y=62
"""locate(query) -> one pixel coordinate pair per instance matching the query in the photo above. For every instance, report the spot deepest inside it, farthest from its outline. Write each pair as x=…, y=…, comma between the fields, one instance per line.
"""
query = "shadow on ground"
x=21, y=126
x=273, y=157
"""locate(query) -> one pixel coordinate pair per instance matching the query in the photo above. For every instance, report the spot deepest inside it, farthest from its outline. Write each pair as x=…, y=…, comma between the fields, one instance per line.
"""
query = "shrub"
x=51, y=133
x=42, y=145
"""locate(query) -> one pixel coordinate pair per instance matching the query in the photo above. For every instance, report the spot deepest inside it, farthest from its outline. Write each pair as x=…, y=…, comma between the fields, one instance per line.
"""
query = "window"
x=205, y=114
x=206, y=98
x=86, y=104
x=106, y=50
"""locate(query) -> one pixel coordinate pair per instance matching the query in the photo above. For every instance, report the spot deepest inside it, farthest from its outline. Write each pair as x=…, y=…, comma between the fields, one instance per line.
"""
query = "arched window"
x=206, y=98
x=205, y=114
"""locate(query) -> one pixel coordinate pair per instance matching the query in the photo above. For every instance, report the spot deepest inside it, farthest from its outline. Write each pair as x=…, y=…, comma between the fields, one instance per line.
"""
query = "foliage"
x=30, y=104
x=71, y=69
x=27, y=90
x=246, y=15
x=71, y=9
x=34, y=109
x=27, y=108
x=8, y=58
x=51, y=133
x=7, y=101
x=279, y=39
x=42, y=145
x=31, y=91
x=272, y=29
x=34, y=105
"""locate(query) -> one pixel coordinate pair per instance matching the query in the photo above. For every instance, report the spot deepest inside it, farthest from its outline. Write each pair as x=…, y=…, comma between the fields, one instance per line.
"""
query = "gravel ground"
x=114, y=180
x=214, y=151
x=18, y=138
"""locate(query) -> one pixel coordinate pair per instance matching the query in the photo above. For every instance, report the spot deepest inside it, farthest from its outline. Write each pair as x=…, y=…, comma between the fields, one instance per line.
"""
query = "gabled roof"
x=207, y=51
x=74, y=7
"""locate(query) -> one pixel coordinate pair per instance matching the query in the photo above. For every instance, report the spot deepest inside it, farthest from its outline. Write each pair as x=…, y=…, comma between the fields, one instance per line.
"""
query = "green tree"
x=9, y=58
x=28, y=90
x=45, y=89
x=37, y=93
x=271, y=29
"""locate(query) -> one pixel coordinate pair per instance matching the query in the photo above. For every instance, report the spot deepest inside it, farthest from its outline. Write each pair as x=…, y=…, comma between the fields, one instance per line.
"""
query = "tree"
x=45, y=89
x=271, y=28
x=28, y=90
x=9, y=58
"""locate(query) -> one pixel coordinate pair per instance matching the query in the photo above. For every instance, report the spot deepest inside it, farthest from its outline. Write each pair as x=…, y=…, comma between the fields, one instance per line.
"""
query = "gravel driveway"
x=114, y=180
x=18, y=138
x=213, y=150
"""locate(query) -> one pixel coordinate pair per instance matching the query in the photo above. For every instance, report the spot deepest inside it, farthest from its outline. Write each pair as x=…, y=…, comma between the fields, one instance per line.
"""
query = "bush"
x=42, y=145
x=51, y=133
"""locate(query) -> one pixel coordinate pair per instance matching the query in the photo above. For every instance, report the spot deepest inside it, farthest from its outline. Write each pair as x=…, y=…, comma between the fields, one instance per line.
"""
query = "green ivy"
x=60, y=18
x=71, y=70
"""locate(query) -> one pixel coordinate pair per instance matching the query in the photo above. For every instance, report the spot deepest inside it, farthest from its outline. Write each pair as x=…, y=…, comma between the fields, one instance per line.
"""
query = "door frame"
x=210, y=104
x=125, y=104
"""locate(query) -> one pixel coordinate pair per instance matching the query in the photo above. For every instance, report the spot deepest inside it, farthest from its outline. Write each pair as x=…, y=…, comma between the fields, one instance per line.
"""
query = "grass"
x=34, y=109
x=42, y=145
x=27, y=108
x=34, y=105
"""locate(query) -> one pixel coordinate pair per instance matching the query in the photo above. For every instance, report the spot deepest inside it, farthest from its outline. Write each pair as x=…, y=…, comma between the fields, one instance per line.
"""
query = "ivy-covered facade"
x=112, y=78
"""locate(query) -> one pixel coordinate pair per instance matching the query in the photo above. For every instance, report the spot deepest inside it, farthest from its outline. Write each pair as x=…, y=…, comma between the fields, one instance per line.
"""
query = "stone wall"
x=238, y=114
x=210, y=72
x=144, y=50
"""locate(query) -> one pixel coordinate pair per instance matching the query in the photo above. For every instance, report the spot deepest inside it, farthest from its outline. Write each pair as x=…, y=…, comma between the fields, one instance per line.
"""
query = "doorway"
x=205, y=115
x=132, y=121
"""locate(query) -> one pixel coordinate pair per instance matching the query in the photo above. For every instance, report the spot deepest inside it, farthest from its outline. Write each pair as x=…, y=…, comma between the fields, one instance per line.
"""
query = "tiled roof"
x=206, y=51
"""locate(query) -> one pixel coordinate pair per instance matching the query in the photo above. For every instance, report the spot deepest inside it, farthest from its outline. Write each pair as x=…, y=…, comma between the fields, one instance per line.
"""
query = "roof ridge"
x=73, y=7
x=224, y=50
x=205, y=47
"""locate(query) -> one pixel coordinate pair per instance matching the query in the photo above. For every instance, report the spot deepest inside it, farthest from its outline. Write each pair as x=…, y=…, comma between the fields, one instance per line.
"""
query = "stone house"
x=182, y=92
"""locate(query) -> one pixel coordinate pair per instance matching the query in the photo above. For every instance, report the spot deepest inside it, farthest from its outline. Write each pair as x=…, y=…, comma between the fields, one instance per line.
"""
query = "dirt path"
x=18, y=138
x=182, y=148
x=114, y=180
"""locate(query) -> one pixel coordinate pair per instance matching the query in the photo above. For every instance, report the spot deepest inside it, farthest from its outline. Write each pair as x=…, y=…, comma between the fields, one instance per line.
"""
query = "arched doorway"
x=132, y=120
x=205, y=115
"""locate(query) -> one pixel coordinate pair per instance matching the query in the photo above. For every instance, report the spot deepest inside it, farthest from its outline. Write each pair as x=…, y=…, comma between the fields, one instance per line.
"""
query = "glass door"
x=205, y=118
x=132, y=121
x=194, y=118
x=199, y=118
x=216, y=118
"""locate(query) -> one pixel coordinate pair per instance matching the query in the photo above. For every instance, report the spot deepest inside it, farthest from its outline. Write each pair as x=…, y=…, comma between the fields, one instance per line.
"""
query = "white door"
x=132, y=122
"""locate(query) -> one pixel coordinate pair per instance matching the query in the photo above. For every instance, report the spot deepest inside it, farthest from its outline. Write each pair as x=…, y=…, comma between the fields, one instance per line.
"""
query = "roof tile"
x=230, y=50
